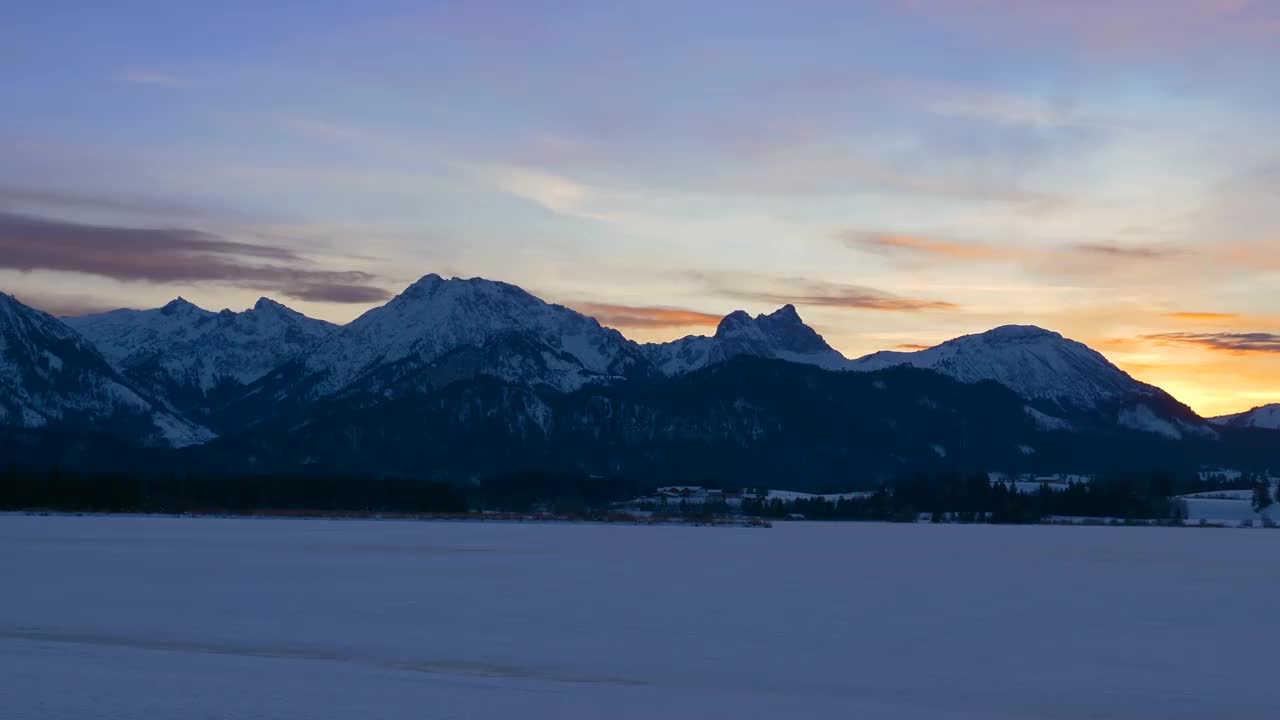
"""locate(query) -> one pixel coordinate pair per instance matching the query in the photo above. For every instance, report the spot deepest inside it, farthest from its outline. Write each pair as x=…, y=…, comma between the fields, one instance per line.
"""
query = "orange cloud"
x=802, y=291
x=1202, y=316
x=1078, y=257
x=911, y=347
x=1257, y=256
x=627, y=316
x=852, y=298
x=896, y=243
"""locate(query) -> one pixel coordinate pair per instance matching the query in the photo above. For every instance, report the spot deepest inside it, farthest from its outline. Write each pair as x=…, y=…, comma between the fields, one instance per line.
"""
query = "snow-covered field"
x=1230, y=507
x=312, y=619
x=1231, y=512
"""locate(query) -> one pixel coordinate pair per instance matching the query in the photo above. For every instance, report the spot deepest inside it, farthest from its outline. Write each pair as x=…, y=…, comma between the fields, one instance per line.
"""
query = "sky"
x=903, y=171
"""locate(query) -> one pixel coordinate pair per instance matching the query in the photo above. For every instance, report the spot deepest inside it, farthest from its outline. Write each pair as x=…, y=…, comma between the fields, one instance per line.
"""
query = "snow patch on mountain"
x=1140, y=417
x=1047, y=422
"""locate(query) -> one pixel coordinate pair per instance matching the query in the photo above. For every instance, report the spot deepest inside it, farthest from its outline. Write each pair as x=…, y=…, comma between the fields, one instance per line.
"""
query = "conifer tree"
x=1261, y=496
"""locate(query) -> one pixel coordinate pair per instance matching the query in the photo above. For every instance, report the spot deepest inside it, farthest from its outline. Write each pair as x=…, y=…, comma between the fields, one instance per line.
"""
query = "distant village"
x=1230, y=507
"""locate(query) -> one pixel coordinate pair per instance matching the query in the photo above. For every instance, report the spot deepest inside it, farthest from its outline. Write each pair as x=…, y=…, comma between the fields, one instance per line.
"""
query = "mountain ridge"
x=191, y=357
x=780, y=335
x=52, y=377
x=440, y=332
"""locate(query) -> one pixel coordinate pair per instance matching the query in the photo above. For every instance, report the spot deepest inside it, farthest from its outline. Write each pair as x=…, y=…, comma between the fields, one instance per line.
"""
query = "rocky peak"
x=180, y=306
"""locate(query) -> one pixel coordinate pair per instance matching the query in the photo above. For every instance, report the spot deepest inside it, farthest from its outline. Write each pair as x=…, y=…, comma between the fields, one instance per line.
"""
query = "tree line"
x=60, y=489
x=949, y=496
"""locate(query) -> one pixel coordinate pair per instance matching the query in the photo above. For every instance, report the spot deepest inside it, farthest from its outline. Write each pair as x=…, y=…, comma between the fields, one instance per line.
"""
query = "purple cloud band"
x=172, y=255
x=1257, y=342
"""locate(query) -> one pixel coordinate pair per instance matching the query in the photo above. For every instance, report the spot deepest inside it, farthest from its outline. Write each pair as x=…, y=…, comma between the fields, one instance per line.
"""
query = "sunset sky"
x=903, y=171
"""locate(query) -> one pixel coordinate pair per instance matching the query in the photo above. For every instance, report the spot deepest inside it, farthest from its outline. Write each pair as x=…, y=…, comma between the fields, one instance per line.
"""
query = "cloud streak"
x=1092, y=259
x=64, y=304
x=1237, y=343
x=897, y=244
x=1126, y=252
x=800, y=291
x=21, y=198
x=632, y=317
x=1120, y=26
x=172, y=255
x=1202, y=316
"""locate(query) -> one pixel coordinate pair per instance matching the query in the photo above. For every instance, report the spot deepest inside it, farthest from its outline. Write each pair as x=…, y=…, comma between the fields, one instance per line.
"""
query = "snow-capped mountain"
x=781, y=335
x=183, y=353
x=1266, y=417
x=1035, y=363
x=231, y=371
x=1061, y=378
x=51, y=377
x=440, y=330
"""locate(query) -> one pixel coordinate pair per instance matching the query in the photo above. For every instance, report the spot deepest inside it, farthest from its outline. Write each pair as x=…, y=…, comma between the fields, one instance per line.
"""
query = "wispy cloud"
x=172, y=255
x=1085, y=260
x=1240, y=343
x=336, y=292
x=1001, y=109
x=64, y=304
x=1130, y=252
x=38, y=200
x=897, y=244
x=628, y=316
x=800, y=291
x=911, y=347
x=1120, y=26
x=555, y=193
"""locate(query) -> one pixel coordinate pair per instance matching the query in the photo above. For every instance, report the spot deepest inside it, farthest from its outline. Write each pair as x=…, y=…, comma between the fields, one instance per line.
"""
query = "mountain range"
x=455, y=377
x=190, y=358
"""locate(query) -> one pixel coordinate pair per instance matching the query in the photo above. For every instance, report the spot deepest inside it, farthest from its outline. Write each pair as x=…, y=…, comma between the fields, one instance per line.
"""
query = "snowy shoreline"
x=513, y=518
x=625, y=521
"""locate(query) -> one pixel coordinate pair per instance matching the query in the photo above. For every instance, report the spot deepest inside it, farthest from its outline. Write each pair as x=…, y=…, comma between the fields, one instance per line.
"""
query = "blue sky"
x=903, y=171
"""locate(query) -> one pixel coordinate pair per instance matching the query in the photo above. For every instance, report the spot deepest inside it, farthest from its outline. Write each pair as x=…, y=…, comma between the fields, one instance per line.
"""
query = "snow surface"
x=309, y=620
x=1228, y=511
x=1231, y=506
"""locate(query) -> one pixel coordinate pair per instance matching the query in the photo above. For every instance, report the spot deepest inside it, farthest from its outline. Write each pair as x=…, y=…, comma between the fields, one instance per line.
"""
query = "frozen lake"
x=312, y=619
